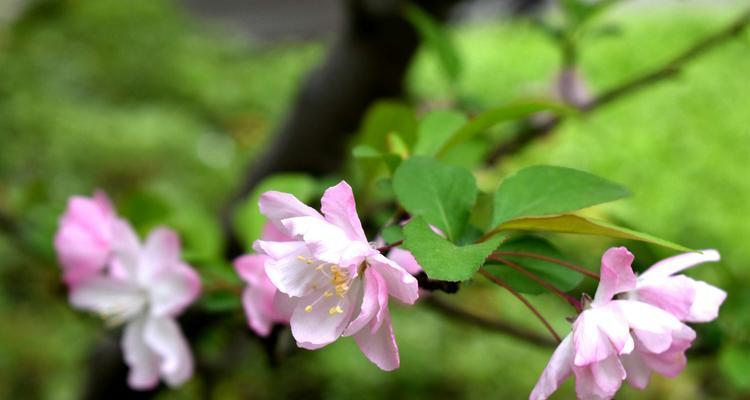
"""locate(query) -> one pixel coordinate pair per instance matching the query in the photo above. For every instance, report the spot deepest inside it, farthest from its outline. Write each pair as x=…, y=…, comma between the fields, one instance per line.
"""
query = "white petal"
x=673, y=265
x=340, y=209
x=165, y=338
x=142, y=361
x=557, y=370
x=108, y=297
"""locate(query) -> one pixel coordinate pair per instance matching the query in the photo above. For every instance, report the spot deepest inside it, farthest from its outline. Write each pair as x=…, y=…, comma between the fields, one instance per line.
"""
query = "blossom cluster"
x=144, y=286
x=634, y=326
x=318, y=273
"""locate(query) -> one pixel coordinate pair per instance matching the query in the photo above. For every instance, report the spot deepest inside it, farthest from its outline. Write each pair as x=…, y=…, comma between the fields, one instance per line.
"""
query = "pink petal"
x=340, y=209
x=707, y=301
x=401, y=284
x=652, y=326
x=164, y=337
x=108, y=297
x=252, y=268
x=278, y=206
x=142, y=361
x=173, y=289
x=258, y=297
x=380, y=346
x=127, y=252
x=674, y=294
x=272, y=233
x=557, y=371
x=257, y=311
x=638, y=373
x=599, y=333
x=673, y=265
x=405, y=259
x=370, y=305
x=327, y=242
x=278, y=250
x=318, y=327
x=616, y=276
x=608, y=375
x=669, y=363
x=294, y=276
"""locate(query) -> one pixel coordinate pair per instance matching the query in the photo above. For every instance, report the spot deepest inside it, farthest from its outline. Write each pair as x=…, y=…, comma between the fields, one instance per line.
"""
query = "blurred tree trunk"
x=368, y=61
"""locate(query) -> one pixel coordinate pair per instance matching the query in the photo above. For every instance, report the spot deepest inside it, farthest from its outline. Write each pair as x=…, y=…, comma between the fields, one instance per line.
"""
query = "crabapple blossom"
x=145, y=287
x=614, y=339
x=338, y=283
x=685, y=298
x=264, y=304
x=84, y=239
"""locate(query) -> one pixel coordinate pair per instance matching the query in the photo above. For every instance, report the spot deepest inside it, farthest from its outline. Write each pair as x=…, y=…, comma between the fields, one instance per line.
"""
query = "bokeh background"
x=165, y=104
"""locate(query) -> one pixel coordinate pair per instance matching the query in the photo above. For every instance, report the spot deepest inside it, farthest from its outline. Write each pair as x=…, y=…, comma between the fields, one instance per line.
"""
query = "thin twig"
x=494, y=325
x=568, y=298
x=387, y=247
x=523, y=300
x=538, y=129
x=563, y=263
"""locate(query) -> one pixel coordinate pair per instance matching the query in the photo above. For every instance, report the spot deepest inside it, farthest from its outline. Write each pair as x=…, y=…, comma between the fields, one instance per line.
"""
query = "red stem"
x=512, y=291
x=565, y=264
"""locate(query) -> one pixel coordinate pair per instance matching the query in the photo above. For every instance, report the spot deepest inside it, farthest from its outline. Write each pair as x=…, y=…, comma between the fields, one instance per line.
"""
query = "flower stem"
x=570, y=299
x=389, y=246
x=523, y=300
x=553, y=260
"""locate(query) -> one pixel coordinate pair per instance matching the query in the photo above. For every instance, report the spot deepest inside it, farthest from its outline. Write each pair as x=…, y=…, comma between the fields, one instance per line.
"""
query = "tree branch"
x=536, y=129
x=494, y=325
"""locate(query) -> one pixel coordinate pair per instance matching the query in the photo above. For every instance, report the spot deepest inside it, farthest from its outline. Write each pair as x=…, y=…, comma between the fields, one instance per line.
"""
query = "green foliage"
x=733, y=362
x=568, y=223
x=561, y=278
x=436, y=129
x=442, y=259
x=544, y=190
x=386, y=117
x=510, y=112
x=440, y=193
x=248, y=222
x=435, y=37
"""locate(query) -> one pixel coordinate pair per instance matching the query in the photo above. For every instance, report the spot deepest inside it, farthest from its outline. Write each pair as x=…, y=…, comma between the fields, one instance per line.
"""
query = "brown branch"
x=568, y=298
x=523, y=300
x=494, y=325
x=536, y=129
x=553, y=260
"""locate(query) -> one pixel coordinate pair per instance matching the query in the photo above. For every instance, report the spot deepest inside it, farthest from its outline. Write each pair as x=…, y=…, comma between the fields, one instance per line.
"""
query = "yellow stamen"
x=335, y=310
x=327, y=293
x=308, y=308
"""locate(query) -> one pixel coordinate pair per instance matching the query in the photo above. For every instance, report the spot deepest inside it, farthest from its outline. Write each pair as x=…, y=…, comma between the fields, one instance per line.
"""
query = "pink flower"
x=684, y=297
x=616, y=339
x=146, y=287
x=339, y=284
x=84, y=238
x=264, y=304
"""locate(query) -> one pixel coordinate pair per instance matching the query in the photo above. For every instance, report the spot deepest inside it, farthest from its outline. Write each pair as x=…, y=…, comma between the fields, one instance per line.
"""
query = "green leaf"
x=556, y=275
x=440, y=193
x=509, y=112
x=442, y=259
x=436, y=128
x=437, y=40
x=733, y=362
x=569, y=223
x=545, y=190
x=248, y=222
x=392, y=234
x=383, y=118
x=365, y=151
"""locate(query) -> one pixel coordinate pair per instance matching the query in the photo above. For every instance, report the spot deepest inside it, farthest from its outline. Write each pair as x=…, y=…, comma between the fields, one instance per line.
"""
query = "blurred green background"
x=164, y=111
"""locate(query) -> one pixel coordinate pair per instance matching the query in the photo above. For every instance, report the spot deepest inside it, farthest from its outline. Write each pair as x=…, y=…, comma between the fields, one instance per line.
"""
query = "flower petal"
x=556, y=372
x=165, y=338
x=638, y=373
x=173, y=289
x=327, y=242
x=707, y=301
x=405, y=259
x=599, y=333
x=278, y=206
x=340, y=209
x=108, y=297
x=278, y=250
x=672, y=265
x=142, y=361
x=370, y=305
x=616, y=276
x=319, y=326
x=653, y=326
x=380, y=346
x=294, y=276
x=401, y=284
x=674, y=294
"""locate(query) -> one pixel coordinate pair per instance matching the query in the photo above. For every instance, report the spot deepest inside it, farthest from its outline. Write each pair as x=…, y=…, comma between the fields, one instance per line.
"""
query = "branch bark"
x=535, y=130
x=494, y=325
